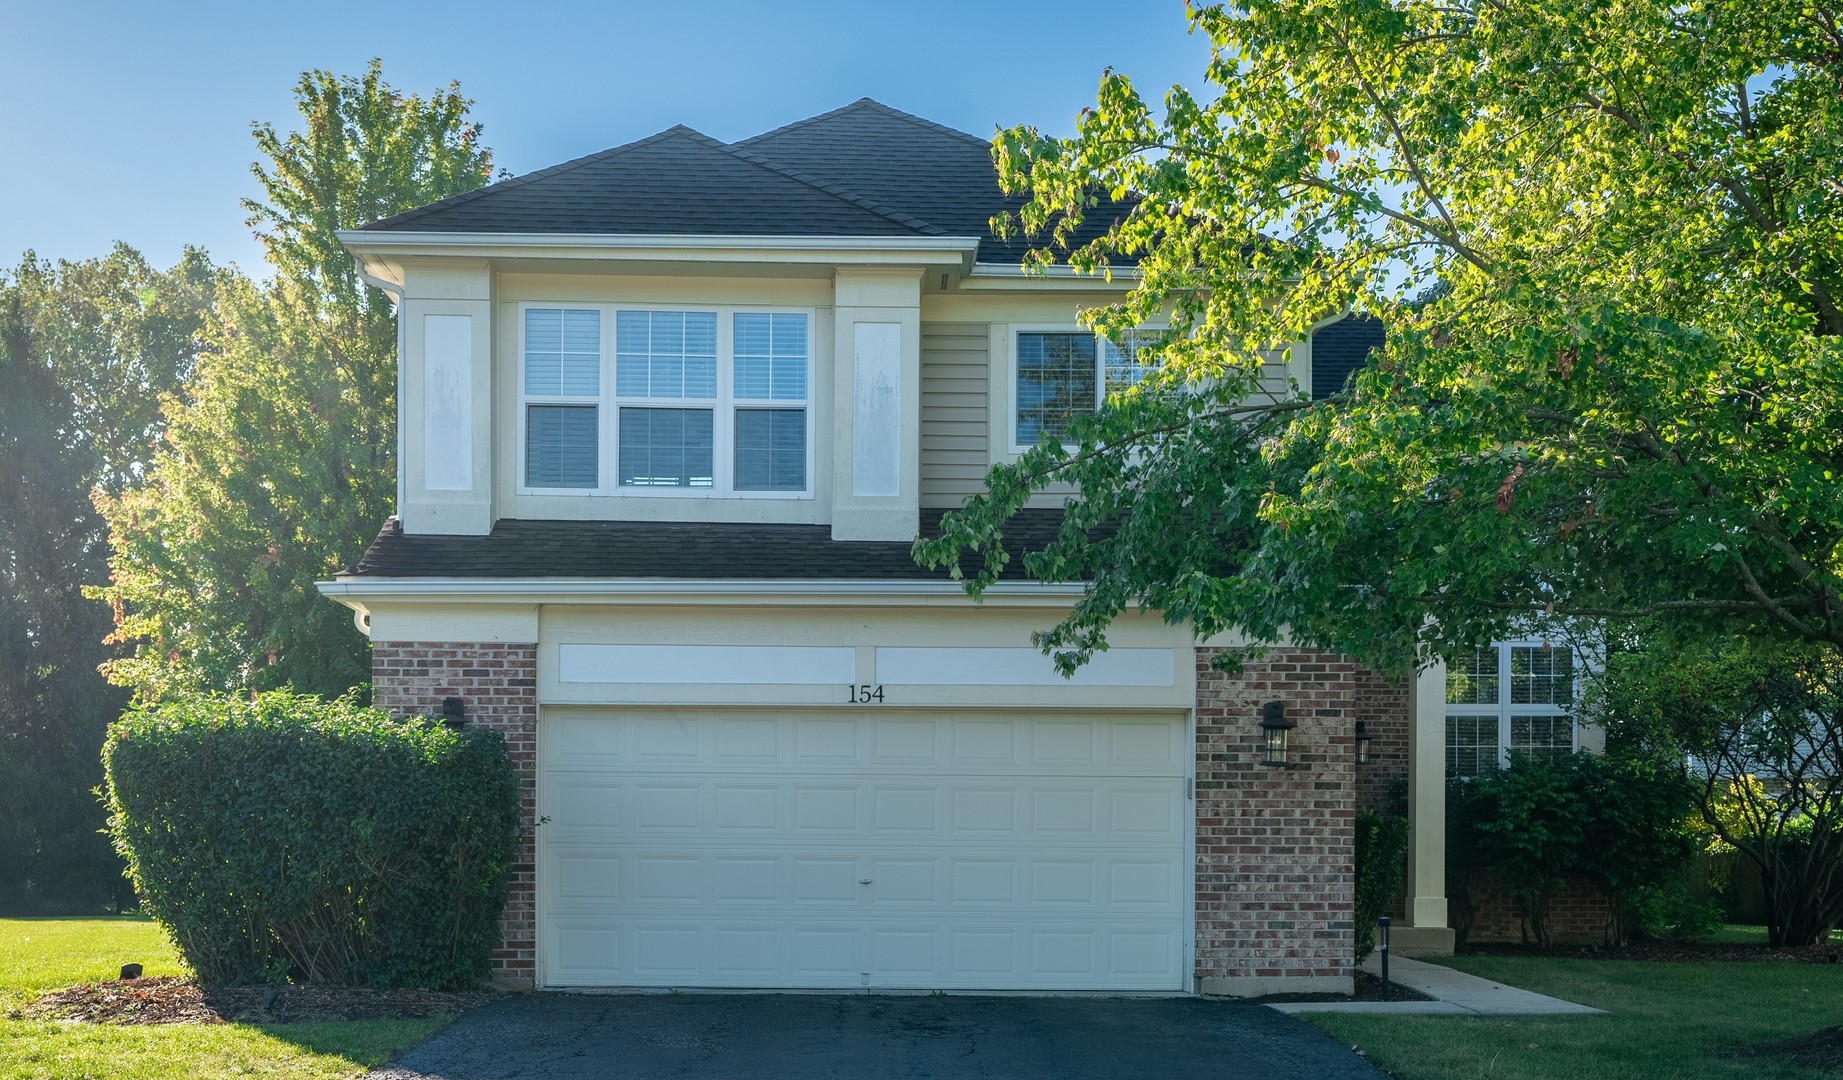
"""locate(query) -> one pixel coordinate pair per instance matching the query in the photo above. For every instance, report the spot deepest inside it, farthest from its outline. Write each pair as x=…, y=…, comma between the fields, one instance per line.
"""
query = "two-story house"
x=671, y=416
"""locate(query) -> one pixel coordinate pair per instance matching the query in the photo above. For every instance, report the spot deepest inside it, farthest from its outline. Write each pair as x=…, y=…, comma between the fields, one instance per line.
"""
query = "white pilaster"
x=446, y=406
x=1427, y=804
x=876, y=398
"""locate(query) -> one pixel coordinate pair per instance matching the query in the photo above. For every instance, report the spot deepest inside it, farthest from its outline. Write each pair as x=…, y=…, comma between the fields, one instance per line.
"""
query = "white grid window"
x=1510, y=700
x=562, y=391
x=701, y=402
x=1064, y=373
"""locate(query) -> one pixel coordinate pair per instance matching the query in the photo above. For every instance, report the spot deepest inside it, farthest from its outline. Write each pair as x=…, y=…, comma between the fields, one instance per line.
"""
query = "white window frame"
x=1506, y=711
x=1018, y=330
x=723, y=407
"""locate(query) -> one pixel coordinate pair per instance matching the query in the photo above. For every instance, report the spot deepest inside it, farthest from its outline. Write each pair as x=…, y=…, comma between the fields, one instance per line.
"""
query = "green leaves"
x=87, y=350
x=279, y=460
x=1604, y=246
x=1616, y=820
x=1382, y=862
x=287, y=837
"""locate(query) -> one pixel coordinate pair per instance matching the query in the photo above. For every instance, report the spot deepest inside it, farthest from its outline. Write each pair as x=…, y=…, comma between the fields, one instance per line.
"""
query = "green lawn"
x=1736, y=934
x=1667, y=1020
x=37, y=955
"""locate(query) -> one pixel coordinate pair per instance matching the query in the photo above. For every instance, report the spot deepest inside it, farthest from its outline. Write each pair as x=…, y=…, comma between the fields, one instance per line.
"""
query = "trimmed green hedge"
x=290, y=837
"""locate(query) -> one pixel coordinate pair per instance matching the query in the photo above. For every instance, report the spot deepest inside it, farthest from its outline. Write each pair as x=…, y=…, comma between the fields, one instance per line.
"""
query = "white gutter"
x=579, y=245
x=1008, y=276
x=354, y=592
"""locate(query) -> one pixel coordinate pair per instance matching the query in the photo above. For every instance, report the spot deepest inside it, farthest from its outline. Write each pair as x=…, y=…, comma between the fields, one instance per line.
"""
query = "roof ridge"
x=519, y=181
x=869, y=102
x=837, y=191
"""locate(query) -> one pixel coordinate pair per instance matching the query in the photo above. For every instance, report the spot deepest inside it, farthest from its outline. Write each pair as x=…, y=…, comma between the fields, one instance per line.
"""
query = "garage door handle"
x=863, y=881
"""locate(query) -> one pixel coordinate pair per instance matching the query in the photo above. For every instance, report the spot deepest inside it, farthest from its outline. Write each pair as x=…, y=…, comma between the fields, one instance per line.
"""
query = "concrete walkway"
x=1454, y=992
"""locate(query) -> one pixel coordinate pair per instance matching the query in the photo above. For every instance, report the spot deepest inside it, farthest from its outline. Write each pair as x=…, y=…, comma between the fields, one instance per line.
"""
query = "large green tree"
x=86, y=348
x=1607, y=239
x=279, y=458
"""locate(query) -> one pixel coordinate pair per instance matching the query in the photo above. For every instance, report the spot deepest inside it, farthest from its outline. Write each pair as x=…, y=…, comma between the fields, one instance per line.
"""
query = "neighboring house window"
x=703, y=402
x=1063, y=373
x=1509, y=700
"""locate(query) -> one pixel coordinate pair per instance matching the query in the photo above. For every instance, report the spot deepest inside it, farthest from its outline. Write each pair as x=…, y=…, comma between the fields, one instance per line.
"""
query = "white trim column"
x=876, y=394
x=1427, y=932
x=445, y=363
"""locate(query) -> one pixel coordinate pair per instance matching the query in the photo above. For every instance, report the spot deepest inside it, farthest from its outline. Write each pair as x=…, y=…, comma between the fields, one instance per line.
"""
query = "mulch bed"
x=1667, y=952
x=167, y=1000
x=1822, y=1050
x=1369, y=988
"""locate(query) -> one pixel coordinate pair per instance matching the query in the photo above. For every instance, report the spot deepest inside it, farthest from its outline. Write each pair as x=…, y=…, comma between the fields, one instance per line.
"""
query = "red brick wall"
x=1382, y=786
x=1274, y=846
x=1579, y=914
x=1383, y=706
x=499, y=685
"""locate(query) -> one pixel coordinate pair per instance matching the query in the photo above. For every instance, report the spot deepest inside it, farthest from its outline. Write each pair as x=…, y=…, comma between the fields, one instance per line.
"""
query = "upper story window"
x=1508, y=700
x=1063, y=373
x=702, y=402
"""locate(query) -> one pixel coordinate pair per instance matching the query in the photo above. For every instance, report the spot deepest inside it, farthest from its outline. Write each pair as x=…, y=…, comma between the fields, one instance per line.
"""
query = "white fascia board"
x=992, y=277
x=358, y=593
x=956, y=251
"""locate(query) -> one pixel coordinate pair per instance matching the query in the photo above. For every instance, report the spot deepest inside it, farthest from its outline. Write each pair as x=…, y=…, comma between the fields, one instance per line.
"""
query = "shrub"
x=1620, y=822
x=291, y=837
x=1382, y=859
x=1671, y=909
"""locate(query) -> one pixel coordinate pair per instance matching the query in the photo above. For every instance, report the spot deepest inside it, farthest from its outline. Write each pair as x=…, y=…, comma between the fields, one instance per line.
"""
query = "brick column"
x=499, y=684
x=1275, y=847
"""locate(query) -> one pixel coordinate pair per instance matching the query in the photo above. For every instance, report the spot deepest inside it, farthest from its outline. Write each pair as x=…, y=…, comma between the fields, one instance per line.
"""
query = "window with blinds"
x=1064, y=373
x=701, y=402
x=562, y=386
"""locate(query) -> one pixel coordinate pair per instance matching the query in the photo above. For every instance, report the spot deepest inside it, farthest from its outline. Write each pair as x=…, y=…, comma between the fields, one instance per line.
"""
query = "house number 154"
x=864, y=693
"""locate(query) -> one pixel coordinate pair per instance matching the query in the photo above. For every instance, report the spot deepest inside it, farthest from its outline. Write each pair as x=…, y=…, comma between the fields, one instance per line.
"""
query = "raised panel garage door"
x=862, y=848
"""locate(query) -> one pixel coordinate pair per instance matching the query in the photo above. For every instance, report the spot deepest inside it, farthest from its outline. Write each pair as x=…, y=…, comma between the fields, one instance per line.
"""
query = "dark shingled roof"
x=1339, y=349
x=865, y=170
x=673, y=550
x=935, y=172
x=678, y=181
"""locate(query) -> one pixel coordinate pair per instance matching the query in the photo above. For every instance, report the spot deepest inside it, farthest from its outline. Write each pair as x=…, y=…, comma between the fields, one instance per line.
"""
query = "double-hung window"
x=1064, y=373
x=696, y=402
x=562, y=390
x=1509, y=700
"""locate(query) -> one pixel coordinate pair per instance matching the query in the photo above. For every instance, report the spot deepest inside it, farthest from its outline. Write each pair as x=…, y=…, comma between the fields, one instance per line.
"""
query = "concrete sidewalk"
x=1454, y=992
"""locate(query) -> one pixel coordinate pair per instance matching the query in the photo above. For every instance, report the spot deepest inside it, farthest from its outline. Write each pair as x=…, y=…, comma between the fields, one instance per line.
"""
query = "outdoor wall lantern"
x=454, y=712
x=1363, y=738
x=1274, y=727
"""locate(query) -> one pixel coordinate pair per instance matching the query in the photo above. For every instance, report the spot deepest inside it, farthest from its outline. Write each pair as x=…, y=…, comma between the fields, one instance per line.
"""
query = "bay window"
x=701, y=402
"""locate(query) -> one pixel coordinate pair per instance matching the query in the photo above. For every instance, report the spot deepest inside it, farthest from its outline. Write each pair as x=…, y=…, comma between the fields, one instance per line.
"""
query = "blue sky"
x=131, y=121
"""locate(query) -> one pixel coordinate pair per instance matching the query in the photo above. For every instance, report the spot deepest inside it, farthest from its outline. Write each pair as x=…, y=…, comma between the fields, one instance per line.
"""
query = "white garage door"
x=884, y=849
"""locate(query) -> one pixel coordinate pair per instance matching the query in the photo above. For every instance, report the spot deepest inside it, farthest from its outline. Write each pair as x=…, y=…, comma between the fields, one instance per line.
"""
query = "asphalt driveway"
x=871, y=1036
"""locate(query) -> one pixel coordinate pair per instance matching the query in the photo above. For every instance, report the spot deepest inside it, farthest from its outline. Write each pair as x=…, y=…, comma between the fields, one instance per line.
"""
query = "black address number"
x=864, y=693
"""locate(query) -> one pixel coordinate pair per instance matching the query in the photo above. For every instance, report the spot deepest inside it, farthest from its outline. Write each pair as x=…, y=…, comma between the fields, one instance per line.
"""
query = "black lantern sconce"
x=1363, y=740
x=454, y=712
x=1274, y=728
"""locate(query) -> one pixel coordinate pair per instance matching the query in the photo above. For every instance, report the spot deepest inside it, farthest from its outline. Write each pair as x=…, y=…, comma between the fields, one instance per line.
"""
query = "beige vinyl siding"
x=955, y=376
